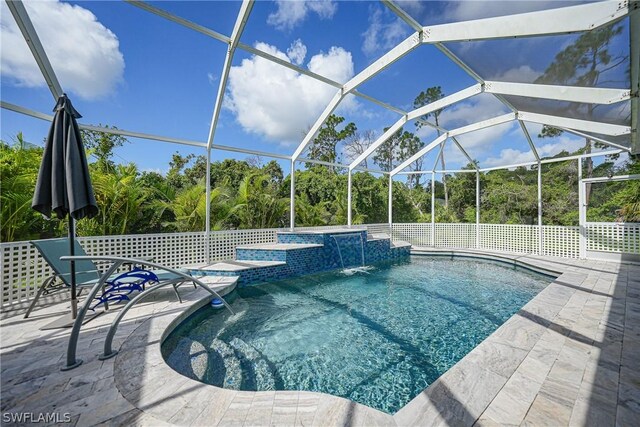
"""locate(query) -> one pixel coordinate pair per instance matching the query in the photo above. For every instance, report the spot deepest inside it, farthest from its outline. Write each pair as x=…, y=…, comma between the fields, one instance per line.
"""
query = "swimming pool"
x=377, y=337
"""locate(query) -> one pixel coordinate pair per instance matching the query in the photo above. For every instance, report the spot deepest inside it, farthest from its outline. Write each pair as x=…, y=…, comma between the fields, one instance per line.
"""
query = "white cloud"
x=468, y=10
x=291, y=13
x=563, y=143
x=510, y=156
x=156, y=170
x=480, y=107
x=336, y=64
x=279, y=103
x=212, y=78
x=481, y=141
x=413, y=7
x=426, y=133
x=84, y=54
x=521, y=74
x=350, y=107
x=297, y=52
x=380, y=35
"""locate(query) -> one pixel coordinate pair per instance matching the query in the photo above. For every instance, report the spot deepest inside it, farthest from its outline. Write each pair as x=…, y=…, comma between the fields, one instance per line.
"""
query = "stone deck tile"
x=569, y=357
x=285, y=407
x=307, y=407
x=261, y=409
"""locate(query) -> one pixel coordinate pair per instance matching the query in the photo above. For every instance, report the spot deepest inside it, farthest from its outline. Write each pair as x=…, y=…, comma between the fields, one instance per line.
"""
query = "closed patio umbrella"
x=64, y=185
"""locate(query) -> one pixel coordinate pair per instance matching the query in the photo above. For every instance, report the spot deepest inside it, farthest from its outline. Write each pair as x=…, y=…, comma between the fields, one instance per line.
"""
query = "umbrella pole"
x=72, y=252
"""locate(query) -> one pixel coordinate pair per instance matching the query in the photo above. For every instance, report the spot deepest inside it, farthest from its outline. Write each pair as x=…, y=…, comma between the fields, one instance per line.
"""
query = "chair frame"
x=112, y=290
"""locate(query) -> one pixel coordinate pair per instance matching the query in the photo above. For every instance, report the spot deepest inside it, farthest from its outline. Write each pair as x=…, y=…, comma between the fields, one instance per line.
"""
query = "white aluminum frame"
x=541, y=23
x=577, y=124
x=634, y=53
x=30, y=35
x=611, y=178
x=454, y=132
x=591, y=95
x=238, y=28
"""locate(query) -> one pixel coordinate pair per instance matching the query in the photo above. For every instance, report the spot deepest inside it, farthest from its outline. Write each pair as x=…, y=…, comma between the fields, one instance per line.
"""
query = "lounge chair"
x=117, y=287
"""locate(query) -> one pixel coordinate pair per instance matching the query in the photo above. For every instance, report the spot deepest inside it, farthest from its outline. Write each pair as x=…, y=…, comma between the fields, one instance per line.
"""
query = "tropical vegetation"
x=252, y=194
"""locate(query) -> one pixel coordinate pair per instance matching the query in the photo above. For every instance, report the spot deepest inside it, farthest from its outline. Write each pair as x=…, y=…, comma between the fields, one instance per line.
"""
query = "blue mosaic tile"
x=338, y=250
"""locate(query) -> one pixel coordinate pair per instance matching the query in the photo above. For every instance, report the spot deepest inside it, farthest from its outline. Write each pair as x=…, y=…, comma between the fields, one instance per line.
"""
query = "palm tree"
x=121, y=196
x=342, y=209
x=189, y=208
x=310, y=215
x=19, y=165
x=257, y=203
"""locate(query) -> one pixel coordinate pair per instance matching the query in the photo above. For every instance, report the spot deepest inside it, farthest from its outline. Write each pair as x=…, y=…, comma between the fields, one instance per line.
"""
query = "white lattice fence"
x=378, y=229
x=561, y=241
x=416, y=234
x=23, y=269
x=172, y=250
x=607, y=237
x=455, y=235
x=223, y=243
x=509, y=238
x=558, y=240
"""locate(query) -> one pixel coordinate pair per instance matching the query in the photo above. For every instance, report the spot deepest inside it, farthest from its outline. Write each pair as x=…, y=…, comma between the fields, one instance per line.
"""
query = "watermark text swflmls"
x=35, y=417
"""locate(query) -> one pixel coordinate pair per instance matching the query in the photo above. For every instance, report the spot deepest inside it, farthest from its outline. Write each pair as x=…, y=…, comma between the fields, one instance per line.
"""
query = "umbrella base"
x=70, y=367
x=67, y=321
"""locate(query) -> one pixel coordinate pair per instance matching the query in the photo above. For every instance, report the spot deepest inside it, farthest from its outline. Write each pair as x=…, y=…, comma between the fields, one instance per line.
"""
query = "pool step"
x=299, y=253
x=273, y=251
x=263, y=374
x=400, y=244
x=377, y=236
x=231, y=266
x=232, y=367
x=281, y=246
x=220, y=284
x=190, y=358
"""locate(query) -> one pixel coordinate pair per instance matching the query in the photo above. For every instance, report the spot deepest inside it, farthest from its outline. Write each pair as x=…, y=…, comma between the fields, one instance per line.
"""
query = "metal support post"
x=477, y=210
x=390, y=201
x=292, y=201
x=207, y=221
x=582, y=212
x=433, y=209
x=540, y=230
x=349, y=198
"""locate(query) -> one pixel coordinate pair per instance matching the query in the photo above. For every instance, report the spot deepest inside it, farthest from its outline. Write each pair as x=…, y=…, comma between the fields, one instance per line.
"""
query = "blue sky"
x=123, y=66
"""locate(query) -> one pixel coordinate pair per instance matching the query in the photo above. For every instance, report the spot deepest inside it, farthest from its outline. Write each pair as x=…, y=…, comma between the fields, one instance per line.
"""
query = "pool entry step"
x=296, y=253
x=238, y=365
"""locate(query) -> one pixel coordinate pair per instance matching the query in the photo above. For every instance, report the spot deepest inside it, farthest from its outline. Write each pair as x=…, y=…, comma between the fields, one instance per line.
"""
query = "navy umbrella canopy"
x=64, y=185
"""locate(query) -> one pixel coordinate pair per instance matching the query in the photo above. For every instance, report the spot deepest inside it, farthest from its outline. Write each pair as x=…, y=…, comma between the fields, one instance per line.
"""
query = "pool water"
x=377, y=336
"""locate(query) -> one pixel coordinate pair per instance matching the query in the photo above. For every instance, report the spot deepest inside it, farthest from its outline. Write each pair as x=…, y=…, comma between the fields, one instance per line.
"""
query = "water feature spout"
x=336, y=236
